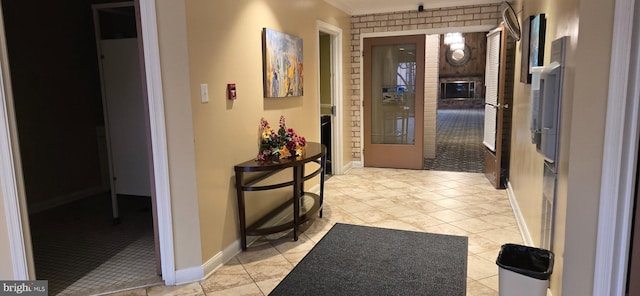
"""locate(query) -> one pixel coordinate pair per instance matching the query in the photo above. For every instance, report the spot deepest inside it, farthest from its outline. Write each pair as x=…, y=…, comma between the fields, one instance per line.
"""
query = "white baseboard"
x=189, y=275
x=522, y=224
x=215, y=262
x=64, y=199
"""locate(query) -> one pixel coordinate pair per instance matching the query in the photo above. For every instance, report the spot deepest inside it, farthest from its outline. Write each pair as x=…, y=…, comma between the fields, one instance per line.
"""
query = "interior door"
x=498, y=96
x=393, y=101
x=124, y=108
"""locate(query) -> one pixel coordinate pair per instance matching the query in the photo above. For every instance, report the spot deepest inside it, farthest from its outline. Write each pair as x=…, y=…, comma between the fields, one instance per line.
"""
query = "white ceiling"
x=359, y=7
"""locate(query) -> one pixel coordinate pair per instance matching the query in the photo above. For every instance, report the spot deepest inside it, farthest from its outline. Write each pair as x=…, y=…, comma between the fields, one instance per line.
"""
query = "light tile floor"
x=431, y=201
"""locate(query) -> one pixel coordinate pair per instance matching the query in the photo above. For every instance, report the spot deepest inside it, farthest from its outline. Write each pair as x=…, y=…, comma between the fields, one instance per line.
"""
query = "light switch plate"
x=204, y=93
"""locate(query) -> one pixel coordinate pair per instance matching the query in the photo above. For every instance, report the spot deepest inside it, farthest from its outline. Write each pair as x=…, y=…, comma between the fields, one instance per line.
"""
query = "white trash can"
x=524, y=271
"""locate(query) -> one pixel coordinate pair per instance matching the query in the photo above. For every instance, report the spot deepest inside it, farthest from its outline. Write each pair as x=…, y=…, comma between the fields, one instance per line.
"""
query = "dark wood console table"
x=302, y=206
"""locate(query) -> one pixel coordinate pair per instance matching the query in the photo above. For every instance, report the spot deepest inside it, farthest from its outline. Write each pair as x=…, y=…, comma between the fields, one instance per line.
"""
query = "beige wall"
x=588, y=23
x=179, y=125
x=224, y=40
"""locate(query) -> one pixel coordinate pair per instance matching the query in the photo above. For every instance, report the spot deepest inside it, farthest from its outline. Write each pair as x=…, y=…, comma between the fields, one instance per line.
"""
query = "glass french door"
x=393, y=109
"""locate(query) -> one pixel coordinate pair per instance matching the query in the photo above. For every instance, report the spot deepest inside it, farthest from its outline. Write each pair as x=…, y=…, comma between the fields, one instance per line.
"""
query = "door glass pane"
x=393, y=75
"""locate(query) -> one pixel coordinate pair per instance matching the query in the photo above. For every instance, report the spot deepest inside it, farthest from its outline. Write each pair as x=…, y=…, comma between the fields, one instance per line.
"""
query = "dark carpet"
x=80, y=252
x=360, y=260
x=459, y=145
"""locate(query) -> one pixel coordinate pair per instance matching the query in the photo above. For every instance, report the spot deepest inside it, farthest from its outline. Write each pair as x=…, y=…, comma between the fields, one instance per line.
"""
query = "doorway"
x=327, y=106
x=56, y=92
x=460, y=103
x=393, y=101
x=330, y=94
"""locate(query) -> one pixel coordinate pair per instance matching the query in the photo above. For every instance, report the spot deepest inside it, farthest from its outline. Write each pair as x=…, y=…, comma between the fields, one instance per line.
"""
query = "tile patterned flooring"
x=454, y=203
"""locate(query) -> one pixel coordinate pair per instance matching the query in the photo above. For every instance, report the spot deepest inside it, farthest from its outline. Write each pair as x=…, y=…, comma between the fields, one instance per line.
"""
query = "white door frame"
x=10, y=171
x=620, y=153
x=337, y=124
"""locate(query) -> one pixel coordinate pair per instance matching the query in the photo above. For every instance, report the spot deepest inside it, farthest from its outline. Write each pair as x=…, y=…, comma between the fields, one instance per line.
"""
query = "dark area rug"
x=360, y=260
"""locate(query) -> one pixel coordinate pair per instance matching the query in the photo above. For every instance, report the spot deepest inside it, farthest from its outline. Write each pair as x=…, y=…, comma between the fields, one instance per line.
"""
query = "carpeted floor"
x=363, y=260
x=459, y=145
x=80, y=252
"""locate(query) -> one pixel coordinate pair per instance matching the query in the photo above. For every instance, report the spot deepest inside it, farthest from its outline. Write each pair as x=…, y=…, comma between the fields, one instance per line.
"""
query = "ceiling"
x=359, y=7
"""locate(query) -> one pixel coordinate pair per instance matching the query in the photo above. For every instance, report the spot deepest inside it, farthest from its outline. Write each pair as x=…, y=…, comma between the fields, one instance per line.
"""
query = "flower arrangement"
x=283, y=143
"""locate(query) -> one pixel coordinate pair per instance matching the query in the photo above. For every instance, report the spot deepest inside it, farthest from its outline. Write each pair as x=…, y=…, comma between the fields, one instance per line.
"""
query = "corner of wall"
x=215, y=262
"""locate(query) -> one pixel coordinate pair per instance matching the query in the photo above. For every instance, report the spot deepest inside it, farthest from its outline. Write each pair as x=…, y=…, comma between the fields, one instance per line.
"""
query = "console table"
x=301, y=207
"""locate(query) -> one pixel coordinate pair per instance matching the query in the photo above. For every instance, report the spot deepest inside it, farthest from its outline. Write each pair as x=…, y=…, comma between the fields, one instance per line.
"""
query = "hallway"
x=459, y=145
x=452, y=203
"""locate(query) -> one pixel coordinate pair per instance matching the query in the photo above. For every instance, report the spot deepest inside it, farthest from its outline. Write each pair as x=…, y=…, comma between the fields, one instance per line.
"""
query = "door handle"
x=503, y=106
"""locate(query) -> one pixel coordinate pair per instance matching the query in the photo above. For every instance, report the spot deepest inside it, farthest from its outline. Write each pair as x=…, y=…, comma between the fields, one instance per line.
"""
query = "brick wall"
x=465, y=16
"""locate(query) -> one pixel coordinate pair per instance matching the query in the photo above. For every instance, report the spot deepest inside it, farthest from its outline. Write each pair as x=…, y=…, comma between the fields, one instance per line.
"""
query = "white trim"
x=158, y=138
x=213, y=264
x=469, y=29
x=337, y=126
x=8, y=180
x=189, y=275
x=619, y=157
x=522, y=224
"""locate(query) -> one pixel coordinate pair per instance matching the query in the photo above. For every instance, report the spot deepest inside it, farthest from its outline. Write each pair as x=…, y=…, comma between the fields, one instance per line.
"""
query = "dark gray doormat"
x=360, y=260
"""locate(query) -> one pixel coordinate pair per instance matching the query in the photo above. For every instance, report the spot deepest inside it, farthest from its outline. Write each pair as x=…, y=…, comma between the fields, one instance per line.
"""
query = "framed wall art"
x=282, y=64
x=525, y=76
x=536, y=41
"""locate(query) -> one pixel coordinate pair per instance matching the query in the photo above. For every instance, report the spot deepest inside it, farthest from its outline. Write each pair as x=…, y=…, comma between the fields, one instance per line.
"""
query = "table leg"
x=323, y=164
x=241, y=211
x=297, y=186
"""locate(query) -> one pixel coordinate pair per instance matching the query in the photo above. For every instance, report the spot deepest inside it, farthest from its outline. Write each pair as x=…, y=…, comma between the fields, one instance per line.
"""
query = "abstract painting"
x=536, y=41
x=282, y=64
